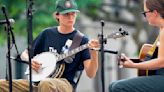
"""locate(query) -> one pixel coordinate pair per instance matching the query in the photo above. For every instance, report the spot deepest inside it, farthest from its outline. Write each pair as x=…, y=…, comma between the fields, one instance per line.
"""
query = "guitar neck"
x=72, y=52
x=136, y=60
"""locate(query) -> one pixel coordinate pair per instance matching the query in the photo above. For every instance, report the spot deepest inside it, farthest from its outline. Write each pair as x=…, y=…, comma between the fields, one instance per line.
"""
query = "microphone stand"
x=30, y=39
x=8, y=29
x=111, y=52
x=102, y=41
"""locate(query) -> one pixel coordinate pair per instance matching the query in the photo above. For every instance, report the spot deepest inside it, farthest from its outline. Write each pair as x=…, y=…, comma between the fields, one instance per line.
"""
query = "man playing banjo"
x=59, y=40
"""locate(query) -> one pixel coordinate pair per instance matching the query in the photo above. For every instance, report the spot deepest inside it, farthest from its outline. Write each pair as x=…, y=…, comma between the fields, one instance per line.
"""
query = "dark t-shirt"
x=51, y=38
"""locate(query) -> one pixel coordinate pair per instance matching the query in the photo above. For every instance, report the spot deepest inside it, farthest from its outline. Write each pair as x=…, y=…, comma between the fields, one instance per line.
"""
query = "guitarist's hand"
x=35, y=65
x=94, y=44
x=126, y=62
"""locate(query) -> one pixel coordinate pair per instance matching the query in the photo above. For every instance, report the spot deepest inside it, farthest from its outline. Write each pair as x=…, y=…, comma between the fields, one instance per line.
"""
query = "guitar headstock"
x=121, y=33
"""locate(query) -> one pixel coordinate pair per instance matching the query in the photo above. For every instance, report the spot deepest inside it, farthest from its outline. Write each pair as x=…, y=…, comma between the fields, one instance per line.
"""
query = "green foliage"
x=90, y=7
x=84, y=4
x=42, y=15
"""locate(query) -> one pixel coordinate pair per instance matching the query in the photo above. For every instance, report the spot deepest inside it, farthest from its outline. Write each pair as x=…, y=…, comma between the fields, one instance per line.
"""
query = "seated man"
x=56, y=38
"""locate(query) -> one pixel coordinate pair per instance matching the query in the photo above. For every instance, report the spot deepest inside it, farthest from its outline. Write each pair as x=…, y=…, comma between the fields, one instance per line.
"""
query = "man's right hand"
x=35, y=65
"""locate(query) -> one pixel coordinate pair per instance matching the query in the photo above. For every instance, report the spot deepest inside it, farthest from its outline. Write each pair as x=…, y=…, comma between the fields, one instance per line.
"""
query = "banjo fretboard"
x=72, y=52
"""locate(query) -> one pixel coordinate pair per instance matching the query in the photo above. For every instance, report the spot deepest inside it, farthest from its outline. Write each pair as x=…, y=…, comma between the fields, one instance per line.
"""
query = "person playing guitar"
x=58, y=40
x=154, y=12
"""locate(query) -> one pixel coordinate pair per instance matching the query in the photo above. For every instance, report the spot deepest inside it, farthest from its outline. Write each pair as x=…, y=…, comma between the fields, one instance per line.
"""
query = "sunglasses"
x=144, y=13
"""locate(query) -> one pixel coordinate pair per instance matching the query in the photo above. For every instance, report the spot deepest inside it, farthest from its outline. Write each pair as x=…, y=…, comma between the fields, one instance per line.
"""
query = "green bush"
x=42, y=14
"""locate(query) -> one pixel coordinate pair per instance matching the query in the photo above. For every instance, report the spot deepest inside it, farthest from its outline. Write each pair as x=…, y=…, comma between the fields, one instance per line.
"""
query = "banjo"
x=48, y=60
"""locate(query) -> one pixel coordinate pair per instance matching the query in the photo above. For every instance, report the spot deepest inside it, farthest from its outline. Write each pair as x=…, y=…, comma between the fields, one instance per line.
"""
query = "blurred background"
x=125, y=14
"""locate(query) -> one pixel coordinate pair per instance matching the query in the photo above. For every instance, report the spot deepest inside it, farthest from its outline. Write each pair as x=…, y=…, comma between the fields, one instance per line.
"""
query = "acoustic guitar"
x=147, y=52
x=144, y=56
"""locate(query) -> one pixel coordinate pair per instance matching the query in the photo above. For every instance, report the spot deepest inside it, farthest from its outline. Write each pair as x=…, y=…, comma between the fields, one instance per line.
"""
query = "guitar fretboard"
x=72, y=52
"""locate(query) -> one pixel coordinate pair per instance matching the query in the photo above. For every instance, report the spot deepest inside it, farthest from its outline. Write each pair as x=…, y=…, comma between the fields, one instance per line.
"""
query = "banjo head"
x=48, y=61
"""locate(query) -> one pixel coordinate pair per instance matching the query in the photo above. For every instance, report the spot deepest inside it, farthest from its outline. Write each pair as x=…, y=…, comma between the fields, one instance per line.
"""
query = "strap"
x=77, y=81
x=76, y=43
x=151, y=51
x=76, y=40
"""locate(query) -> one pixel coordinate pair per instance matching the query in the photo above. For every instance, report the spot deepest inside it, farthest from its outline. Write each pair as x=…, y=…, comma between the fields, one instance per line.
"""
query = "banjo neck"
x=72, y=52
x=119, y=34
